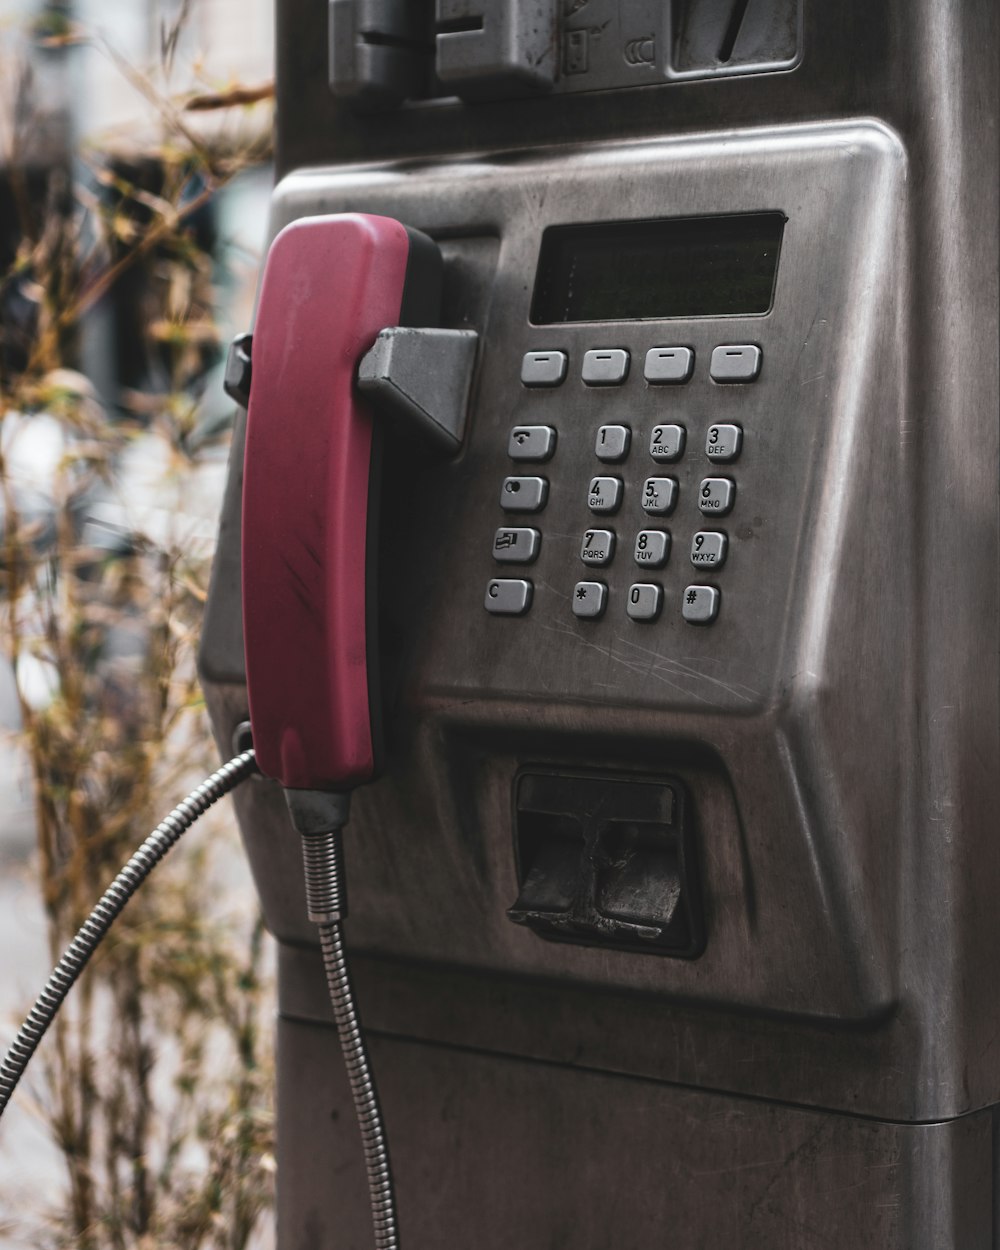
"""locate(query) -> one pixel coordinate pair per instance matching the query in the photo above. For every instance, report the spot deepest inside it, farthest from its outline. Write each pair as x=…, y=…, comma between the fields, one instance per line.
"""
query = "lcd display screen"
x=652, y=270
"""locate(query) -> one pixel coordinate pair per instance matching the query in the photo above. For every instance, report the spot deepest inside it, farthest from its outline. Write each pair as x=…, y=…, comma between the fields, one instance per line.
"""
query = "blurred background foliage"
x=117, y=277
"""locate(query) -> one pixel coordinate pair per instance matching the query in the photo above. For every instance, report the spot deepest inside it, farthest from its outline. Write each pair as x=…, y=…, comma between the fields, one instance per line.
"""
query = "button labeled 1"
x=613, y=442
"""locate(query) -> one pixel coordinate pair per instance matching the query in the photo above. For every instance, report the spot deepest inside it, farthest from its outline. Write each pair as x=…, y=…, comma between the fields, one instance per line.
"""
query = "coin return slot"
x=607, y=862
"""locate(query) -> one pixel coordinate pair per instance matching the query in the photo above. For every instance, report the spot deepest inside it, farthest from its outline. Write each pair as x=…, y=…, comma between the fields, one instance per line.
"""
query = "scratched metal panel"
x=494, y=1153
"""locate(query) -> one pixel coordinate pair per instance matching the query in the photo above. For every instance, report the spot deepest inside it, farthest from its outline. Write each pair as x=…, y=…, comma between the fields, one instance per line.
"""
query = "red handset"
x=310, y=487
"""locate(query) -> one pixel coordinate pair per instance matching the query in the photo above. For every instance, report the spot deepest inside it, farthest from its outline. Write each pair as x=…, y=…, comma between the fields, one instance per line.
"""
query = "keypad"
x=524, y=494
x=613, y=442
x=693, y=494
x=598, y=547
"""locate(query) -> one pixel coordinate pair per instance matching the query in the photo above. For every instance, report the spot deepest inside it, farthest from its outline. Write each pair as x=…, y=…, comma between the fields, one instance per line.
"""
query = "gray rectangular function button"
x=605, y=494
x=716, y=495
x=543, y=368
x=508, y=596
x=723, y=442
x=666, y=442
x=700, y=604
x=531, y=442
x=589, y=599
x=668, y=364
x=598, y=547
x=652, y=547
x=708, y=549
x=605, y=366
x=735, y=362
x=516, y=546
x=644, y=601
x=523, y=494
x=613, y=442
x=659, y=495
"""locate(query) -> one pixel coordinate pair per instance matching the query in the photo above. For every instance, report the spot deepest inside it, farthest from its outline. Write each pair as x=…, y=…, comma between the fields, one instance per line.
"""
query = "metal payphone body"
x=802, y=1052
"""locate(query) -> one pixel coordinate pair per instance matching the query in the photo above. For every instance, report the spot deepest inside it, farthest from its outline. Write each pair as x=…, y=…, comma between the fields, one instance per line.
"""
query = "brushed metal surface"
x=500, y=1153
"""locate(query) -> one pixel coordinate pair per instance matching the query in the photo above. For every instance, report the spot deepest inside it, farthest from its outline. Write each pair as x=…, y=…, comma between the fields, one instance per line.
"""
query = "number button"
x=613, y=442
x=524, y=494
x=598, y=547
x=700, y=605
x=605, y=494
x=709, y=549
x=723, y=442
x=652, y=548
x=659, y=495
x=644, y=602
x=589, y=599
x=531, y=442
x=666, y=442
x=717, y=496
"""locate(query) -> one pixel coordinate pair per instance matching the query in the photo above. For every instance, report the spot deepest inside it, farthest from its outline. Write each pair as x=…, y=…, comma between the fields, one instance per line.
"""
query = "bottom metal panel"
x=494, y=1153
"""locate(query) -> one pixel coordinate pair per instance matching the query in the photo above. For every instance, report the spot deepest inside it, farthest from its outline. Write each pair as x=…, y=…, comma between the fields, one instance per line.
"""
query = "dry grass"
x=157, y=1078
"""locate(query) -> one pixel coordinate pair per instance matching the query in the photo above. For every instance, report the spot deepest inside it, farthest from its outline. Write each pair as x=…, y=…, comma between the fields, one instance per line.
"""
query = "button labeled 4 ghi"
x=523, y=494
x=659, y=495
x=717, y=495
x=516, y=546
x=605, y=494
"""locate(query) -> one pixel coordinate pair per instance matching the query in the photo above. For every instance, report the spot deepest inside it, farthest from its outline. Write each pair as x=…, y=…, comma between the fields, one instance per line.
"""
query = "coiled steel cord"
x=327, y=903
x=100, y=920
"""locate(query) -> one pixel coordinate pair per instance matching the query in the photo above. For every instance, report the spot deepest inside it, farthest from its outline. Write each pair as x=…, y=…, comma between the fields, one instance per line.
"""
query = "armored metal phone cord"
x=100, y=920
x=326, y=897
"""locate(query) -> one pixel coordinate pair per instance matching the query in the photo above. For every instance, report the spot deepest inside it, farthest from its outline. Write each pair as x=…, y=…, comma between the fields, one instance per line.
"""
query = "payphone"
x=673, y=903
